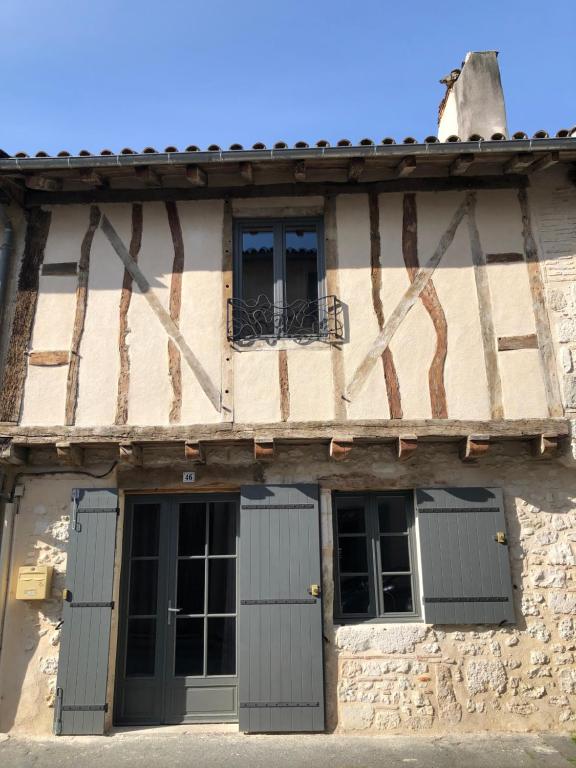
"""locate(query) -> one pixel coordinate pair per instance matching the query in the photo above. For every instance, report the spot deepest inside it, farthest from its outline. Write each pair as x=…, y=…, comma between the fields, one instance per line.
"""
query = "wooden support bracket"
x=406, y=447
x=43, y=184
x=247, y=172
x=129, y=453
x=461, y=164
x=545, y=446
x=264, y=449
x=300, y=171
x=91, y=178
x=193, y=452
x=340, y=447
x=356, y=168
x=70, y=453
x=196, y=176
x=474, y=447
x=519, y=163
x=544, y=162
x=11, y=453
x=405, y=167
x=147, y=176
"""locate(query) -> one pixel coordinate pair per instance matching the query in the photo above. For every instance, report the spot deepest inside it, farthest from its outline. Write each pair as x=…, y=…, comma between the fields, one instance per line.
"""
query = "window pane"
x=392, y=515
x=141, y=647
x=191, y=586
x=301, y=287
x=351, y=517
x=143, y=587
x=192, y=529
x=394, y=553
x=189, y=658
x=221, y=646
x=145, y=531
x=354, y=594
x=258, y=277
x=397, y=592
x=222, y=586
x=353, y=558
x=223, y=528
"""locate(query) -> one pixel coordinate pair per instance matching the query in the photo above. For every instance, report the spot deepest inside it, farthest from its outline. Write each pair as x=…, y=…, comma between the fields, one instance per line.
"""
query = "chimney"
x=473, y=104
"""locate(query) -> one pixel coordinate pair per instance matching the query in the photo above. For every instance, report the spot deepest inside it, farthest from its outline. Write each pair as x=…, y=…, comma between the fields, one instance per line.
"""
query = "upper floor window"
x=279, y=281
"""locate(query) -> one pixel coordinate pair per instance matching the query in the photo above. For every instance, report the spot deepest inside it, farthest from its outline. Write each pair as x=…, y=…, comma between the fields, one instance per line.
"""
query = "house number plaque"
x=188, y=477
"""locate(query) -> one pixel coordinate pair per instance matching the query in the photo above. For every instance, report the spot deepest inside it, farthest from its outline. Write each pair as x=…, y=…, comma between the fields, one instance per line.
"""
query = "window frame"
x=278, y=226
x=375, y=613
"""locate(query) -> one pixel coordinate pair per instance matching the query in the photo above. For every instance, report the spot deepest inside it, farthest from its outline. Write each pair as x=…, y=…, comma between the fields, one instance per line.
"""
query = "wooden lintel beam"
x=340, y=447
x=356, y=168
x=300, y=171
x=474, y=447
x=519, y=163
x=461, y=164
x=264, y=449
x=405, y=167
x=551, y=158
x=11, y=453
x=194, y=452
x=42, y=183
x=247, y=172
x=49, y=357
x=545, y=446
x=147, y=176
x=91, y=178
x=506, y=343
x=196, y=176
x=70, y=453
x=406, y=447
x=129, y=453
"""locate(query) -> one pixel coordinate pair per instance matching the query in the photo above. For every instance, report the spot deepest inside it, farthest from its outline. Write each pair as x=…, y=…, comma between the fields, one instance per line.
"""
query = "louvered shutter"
x=85, y=637
x=465, y=570
x=280, y=664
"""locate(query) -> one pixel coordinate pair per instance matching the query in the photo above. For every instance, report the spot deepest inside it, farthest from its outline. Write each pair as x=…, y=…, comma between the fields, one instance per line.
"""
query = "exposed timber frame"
x=26, y=300
x=174, y=362
x=332, y=287
x=284, y=380
x=227, y=361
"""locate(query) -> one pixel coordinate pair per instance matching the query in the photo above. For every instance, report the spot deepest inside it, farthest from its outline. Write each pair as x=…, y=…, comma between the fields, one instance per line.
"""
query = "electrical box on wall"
x=34, y=582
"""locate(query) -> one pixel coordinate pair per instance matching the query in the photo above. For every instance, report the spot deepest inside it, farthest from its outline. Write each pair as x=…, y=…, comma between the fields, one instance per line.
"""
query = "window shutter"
x=280, y=664
x=465, y=570
x=85, y=637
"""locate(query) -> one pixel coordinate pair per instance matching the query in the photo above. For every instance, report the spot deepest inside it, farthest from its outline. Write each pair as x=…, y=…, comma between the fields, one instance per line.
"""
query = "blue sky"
x=89, y=74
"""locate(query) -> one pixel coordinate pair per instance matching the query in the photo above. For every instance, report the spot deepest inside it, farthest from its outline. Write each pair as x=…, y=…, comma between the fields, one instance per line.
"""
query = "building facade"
x=286, y=432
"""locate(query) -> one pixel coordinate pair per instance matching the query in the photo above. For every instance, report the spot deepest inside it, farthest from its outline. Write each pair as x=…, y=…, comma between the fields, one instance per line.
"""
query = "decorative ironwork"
x=302, y=320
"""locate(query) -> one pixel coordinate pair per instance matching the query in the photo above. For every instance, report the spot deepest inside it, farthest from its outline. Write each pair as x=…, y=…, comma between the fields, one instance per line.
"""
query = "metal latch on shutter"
x=500, y=538
x=76, y=526
x=61, y=707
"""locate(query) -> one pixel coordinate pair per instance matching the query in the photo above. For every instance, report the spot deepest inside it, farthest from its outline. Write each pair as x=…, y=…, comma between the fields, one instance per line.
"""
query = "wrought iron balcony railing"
x=302, y=320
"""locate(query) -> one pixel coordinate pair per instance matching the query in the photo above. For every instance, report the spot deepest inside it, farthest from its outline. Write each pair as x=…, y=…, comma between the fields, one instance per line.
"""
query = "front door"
x=177, y=639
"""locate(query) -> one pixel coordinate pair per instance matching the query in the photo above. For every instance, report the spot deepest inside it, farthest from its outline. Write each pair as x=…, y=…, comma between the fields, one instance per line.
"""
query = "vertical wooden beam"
x=332, y=284
x=174, y=362
x=25, y=310
x=489, y=341
x=390, y=374
x=124, y=330
x=227, y=362
x=431, y=302
x=284, y=385
x=80, y=317
x=545, y=344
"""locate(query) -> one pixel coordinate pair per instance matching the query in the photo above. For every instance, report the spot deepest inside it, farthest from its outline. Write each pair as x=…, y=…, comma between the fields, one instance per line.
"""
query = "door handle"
x=171, y=611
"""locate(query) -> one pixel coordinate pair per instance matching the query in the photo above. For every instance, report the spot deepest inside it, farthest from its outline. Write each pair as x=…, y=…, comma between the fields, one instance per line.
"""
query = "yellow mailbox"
x=34, y=582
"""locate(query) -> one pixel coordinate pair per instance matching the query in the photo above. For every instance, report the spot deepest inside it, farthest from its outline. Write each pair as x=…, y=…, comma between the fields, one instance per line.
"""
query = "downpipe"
x=5, y=253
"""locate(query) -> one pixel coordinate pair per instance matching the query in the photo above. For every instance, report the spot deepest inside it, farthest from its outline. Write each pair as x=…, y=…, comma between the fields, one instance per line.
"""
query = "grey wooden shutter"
x=280, y=667
x=85, y=637
x=465, y=571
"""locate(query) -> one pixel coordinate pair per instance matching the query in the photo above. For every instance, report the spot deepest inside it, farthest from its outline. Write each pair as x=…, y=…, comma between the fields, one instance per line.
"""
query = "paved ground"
x=213, y=750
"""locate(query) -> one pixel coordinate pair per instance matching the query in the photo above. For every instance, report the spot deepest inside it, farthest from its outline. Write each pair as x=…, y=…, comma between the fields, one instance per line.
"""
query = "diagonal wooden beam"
x=163, y=316
x=406, y=303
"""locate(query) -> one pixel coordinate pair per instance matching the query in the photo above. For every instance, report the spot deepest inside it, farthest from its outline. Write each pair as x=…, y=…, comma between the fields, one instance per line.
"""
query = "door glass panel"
x=192, y=529
x=353, y=557
x=392, y=515
x=394, y=553
x=143, y=587
x=145, y=530
x=397, y=592
x=221, y=646
x=222, y=586
x=351, y=517
x=222, y=529
x=189, y=656
x=354, y=594
x=140, y=647
x=258, y=278
x=190, y=597
x=301, y=249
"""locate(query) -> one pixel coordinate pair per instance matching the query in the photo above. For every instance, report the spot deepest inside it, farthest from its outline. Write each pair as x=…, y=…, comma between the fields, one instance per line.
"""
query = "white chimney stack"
x=474, y=100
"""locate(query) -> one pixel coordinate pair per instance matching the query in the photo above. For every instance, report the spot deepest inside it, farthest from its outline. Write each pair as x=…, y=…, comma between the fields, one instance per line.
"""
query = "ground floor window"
x=375, y=563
